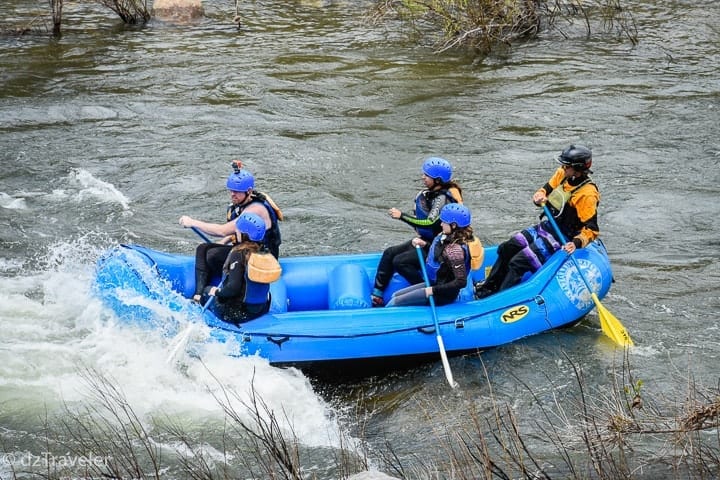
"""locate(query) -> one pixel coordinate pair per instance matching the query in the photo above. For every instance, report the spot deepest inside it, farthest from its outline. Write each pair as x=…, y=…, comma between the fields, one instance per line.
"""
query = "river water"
x=109, y=134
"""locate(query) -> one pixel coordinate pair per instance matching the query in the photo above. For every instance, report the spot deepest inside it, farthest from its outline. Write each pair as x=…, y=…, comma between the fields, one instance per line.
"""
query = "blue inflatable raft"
x=321, y=312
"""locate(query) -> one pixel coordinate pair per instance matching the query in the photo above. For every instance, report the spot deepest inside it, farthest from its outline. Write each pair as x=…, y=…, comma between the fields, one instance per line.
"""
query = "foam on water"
x=95, y=188
x=12, y=203
x=58, y=339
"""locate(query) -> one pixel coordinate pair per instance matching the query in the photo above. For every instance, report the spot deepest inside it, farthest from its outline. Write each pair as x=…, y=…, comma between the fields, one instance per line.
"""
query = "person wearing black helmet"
x=439, y=190
x=572, y=198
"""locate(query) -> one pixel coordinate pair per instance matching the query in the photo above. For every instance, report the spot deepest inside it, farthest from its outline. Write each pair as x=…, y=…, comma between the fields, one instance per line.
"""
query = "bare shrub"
x=482, y=25
x=108, y=424
x=130, y=11
x=615, y=431
x=619, y=430
x=56, y=7
x=255, y=442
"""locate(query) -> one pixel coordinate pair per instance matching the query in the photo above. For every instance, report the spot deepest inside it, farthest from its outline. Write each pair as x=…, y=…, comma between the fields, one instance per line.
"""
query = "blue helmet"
x=436, y=167
x=240, y=181
x=456, y=213
x=252, y=225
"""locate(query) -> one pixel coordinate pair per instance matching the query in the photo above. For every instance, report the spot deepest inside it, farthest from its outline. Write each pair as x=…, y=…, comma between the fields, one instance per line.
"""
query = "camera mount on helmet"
x=237, y=165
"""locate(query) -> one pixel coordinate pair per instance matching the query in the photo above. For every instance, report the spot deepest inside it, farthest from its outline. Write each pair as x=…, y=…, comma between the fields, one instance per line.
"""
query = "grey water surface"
x=110, y=133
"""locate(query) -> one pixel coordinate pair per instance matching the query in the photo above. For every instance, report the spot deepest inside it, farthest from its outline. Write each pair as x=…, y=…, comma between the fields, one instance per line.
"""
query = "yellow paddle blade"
x=611, y=326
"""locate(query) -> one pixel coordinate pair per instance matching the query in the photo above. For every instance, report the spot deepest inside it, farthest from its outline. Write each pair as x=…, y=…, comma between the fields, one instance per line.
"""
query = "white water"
x=54, y=330
x=333, y=118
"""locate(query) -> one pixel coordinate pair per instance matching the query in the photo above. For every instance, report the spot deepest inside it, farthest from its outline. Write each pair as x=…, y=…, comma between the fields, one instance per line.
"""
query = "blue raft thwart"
x=321, y=313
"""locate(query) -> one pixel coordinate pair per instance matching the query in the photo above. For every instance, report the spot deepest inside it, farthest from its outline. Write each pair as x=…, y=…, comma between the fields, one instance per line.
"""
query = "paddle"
x=212, y=297
x=184, y=337
x=610, y=325
x=207, y=240
x=441, y=345
x=181, y=342
x=201, y=234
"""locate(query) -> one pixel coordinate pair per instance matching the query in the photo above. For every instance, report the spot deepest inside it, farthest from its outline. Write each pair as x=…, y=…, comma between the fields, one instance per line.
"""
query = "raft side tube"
x=348, y=287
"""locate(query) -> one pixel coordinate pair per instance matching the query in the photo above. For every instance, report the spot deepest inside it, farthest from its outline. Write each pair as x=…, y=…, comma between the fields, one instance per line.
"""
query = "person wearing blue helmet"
x=572, y=199
x=447, y=263
x=440, y=189
x=239, y=297
x=209, y=257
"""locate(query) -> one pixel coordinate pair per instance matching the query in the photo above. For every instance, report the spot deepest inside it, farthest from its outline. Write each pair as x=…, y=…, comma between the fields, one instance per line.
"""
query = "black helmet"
x=576, y=156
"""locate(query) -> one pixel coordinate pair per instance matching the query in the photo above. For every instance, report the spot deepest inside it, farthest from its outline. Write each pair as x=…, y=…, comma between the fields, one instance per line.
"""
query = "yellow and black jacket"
x=577, y=217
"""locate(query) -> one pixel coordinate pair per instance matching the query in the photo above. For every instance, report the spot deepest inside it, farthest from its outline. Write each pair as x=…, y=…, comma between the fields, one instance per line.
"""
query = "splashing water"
x=95, y=188
x=55, y=331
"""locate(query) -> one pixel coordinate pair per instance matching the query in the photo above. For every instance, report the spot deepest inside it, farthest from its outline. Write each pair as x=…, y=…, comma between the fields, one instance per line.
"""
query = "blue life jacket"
x=423, y=202
x=255, y=293
x=272, y=239
x=434, y=258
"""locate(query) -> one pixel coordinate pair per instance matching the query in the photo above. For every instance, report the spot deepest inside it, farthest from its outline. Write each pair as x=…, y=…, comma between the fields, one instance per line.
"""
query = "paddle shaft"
x=610, y=325
x=441, y=344
x=207, y=240
x=184, y=337
x=212, y=297
x=201, y=234
x=563, y=240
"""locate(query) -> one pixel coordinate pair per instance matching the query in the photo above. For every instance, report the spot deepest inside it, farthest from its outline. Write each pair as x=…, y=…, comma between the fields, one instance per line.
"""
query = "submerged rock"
x=177, y=10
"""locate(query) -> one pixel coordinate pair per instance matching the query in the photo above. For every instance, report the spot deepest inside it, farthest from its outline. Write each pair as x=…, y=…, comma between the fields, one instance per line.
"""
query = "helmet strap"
x=248, y=196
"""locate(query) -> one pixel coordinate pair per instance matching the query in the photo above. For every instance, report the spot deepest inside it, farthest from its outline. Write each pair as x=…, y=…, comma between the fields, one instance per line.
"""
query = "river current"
x=110, y=133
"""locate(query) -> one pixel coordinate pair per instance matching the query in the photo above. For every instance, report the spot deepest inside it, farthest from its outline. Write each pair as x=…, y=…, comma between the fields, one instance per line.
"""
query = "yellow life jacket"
x=455, y=193
x=477, y=253
x=559, y=197
x=263, y=267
